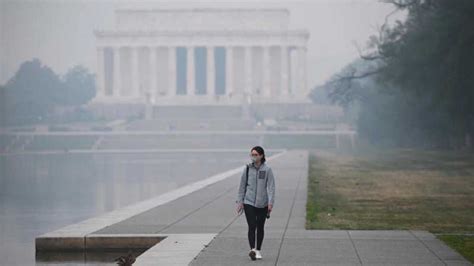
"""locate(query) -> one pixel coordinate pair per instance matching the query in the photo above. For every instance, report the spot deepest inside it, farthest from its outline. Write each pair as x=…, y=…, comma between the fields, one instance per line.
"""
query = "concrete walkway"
x=211, y=210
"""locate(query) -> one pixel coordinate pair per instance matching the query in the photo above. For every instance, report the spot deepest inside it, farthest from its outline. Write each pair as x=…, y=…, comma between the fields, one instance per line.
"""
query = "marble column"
x=171, y=71
x=293, y=71
x=135, y=87
x=266, y=72
x=305, y=71
x=153, y=75
x=248, y=69
x=117, y=77
x=211, y=72
x=190, y=71
x=100, y=84
x=229, y=70
x=301, y=58
x=284, y=71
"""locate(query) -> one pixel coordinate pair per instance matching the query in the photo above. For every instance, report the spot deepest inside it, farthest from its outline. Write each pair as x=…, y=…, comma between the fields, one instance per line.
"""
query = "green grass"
x=61, y=142
x=392, y=189
x=299, y=141
x=463, y=244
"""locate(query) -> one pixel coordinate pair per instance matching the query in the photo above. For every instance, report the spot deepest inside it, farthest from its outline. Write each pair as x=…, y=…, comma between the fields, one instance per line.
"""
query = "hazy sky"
x=60, y=33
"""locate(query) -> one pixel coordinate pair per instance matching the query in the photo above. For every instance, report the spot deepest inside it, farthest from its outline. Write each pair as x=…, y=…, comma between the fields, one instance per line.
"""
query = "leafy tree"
x=79, y=86
x=32, y=93
x=425, y=64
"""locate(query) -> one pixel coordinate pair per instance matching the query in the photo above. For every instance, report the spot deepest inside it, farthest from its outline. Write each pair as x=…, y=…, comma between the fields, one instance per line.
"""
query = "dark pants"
x=256, y=221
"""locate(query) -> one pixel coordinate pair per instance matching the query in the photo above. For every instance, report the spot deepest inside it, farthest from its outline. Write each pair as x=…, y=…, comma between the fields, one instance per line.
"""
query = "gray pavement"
x=212, y=210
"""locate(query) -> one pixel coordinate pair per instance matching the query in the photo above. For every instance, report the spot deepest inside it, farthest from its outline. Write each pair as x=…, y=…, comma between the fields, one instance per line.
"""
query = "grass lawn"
x=463, y=244
x=393, y=189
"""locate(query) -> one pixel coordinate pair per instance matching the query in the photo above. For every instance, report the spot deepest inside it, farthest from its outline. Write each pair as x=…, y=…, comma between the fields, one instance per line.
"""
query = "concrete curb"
x=73, y=237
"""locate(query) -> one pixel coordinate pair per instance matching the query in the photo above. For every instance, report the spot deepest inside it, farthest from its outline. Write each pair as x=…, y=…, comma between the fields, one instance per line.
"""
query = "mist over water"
x=41, y=193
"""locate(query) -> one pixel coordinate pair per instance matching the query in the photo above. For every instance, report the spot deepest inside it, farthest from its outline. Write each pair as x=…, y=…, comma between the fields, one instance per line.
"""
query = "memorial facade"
x=204, y=56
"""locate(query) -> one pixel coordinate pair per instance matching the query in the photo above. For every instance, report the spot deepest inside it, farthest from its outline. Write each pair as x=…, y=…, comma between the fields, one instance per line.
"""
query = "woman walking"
x=256, y=196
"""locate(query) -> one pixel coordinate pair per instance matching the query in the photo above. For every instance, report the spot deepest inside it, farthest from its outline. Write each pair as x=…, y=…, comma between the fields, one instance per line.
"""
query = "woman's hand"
x=270, y=207
x=240, y=208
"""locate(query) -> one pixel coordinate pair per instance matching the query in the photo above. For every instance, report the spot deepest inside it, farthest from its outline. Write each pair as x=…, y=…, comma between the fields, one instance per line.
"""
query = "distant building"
x=207, y=56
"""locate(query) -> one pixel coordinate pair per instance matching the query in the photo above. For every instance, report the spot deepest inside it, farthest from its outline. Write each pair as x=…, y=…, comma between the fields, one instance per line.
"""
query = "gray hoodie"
x=261, y=190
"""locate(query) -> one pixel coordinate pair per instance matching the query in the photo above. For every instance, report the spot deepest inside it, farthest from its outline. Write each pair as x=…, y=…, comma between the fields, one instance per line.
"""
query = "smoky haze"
x=110, y=104
x=139, y=118
x=60, y=33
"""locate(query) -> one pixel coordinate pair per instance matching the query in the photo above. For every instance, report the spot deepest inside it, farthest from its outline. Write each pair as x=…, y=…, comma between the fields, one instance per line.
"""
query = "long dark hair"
x=260, y=151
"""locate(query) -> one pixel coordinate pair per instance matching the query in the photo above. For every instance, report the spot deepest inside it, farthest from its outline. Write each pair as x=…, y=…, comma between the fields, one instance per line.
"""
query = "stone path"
x=211, y=210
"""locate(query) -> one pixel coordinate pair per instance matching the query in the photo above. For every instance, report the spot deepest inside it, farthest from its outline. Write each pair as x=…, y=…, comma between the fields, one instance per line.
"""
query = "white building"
x=207, y=56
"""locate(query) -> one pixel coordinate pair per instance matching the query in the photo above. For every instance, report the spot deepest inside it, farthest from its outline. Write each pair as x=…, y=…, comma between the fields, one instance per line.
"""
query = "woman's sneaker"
x=258, y=255
x=253, y=254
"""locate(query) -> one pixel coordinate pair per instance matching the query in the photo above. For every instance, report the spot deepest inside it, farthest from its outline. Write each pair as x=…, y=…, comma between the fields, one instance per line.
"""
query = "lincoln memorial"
x=206, y=56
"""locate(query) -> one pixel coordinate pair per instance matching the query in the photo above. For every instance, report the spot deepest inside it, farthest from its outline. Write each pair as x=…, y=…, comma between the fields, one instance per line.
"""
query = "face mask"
x=254, y=159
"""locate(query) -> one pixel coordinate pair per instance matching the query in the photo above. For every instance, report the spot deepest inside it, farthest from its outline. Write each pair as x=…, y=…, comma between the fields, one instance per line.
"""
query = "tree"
x=427, y=61
x=79, y=86
x=31, y=93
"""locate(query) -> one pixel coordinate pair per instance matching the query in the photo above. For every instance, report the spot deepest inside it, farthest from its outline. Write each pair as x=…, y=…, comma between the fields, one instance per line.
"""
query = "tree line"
x=413, y=85
x=34, y=93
